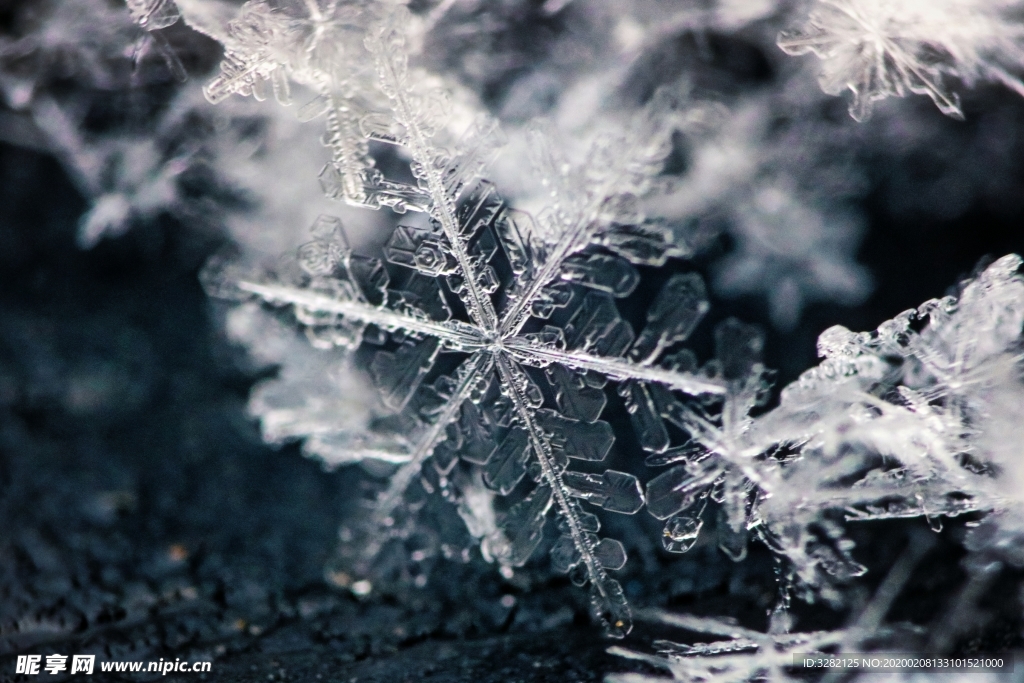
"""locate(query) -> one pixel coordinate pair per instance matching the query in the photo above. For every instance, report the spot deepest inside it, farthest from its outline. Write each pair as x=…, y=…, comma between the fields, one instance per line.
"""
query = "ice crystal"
x=908, y=417
x=271, y=45
x=737, y=655
x=539, y=313
x=182, y=157
x=908, y=421
x=718, y=459
x=742, y=655
x=887, y=48
x=313, y=396
x=51, y=40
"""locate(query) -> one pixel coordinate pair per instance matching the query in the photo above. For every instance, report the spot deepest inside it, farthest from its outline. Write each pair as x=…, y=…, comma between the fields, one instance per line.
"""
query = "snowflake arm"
x=452, y=333
x=278, y=41
x=419, y=120
x=607, y=599
x=529, y=352
x=382, y=517
x=621, y=168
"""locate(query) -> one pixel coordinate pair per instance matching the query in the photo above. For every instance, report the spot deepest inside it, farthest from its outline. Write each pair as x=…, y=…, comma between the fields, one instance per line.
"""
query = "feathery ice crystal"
x=907, y=421
x=887, y=48
x=918, y=419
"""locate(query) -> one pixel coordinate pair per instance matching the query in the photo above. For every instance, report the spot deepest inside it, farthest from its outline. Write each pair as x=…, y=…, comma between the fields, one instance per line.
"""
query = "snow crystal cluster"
x=463, y=323
x=886, y=48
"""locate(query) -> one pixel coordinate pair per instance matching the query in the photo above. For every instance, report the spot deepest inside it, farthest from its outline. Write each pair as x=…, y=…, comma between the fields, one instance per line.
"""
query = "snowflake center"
x=495, y=341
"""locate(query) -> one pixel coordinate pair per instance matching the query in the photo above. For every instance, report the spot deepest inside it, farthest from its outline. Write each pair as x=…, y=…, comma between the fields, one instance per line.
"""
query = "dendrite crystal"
x=527, y=311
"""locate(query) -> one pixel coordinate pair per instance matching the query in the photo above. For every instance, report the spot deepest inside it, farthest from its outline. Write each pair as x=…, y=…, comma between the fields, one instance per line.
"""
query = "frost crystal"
x=909, y=421
x=887, y=48
x=270, y=45
x=719, y=460
x=517, y=305
x=737, y=655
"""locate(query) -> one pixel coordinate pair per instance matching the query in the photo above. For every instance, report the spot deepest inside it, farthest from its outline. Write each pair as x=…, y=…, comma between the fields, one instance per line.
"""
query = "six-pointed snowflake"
x=518, y=305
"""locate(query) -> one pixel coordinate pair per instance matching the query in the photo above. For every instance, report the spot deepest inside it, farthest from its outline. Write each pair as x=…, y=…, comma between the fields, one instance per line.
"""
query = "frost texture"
x=521, y=305
x=887, y=48
x=915, y=419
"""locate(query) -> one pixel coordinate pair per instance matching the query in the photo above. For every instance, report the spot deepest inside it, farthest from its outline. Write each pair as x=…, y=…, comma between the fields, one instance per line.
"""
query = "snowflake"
x=459, y=296
x=719, y=460
x=51, y=40
x=132, y=170
x=912, y=420
x=792, y=252
x=887, y=48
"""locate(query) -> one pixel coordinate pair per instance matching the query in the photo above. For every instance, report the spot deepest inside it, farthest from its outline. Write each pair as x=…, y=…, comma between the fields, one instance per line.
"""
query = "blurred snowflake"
x=887, y=48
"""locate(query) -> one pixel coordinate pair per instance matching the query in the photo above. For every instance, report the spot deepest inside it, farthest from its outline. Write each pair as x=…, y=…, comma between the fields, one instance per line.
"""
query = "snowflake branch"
x=470, y=374
x=619, y=620
x=390, y=58
x=453, y=334
x=538, y=355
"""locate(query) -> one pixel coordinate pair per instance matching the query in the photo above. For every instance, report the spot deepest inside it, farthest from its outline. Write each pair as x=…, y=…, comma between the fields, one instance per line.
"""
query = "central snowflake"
x=523, y=303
